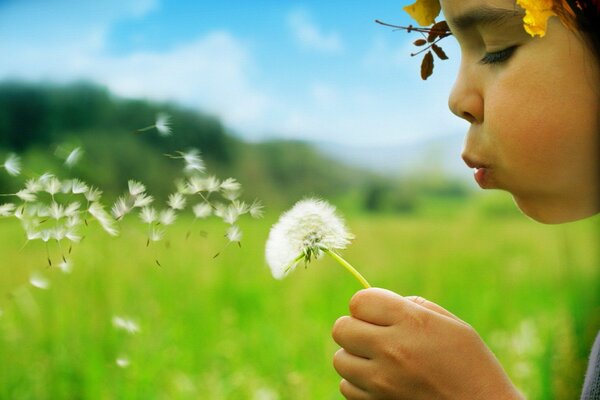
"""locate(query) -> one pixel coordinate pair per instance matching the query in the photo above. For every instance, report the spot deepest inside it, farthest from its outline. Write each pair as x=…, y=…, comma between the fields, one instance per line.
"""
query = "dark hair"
x=584, y=15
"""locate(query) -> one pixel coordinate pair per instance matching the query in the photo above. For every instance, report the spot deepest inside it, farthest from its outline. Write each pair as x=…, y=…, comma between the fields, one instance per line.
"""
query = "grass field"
x=223, y=328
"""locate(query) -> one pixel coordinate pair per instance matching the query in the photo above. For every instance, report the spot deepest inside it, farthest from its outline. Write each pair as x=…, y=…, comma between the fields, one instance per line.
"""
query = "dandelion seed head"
x=7, y=210
x=163, y=124
x=12, y=165
x=308, y=227
x=125, y=324
x=38, y=281
x=202, y=210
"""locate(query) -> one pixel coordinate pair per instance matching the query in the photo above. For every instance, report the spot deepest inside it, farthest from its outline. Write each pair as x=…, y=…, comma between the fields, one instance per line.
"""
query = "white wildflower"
x=38, y=281
x=234, y=234
x=125, y=324
x=136, y=188
x=304, y=232
x=148, y=215
x=202, y=210
x=167, y=217
x=26, y=195
x=73, y=157
x=7, y=210
x=104, y=218
x=12, y=165
x=163, y=124
x=176, y=201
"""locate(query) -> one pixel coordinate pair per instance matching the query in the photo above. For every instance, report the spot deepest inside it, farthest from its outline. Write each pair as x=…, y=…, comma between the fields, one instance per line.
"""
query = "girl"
x=533, y=107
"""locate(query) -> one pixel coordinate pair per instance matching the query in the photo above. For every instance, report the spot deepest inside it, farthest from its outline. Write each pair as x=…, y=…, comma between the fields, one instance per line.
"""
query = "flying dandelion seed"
x=135, y=188
x=66, y=267
x=234, y=234
x=7, y=210
x=122, y=362
x=148, y=215
x=125, y=324
x=167, y=217
x=176, y=201
x=38, y=281
x=193, y=161
x=73, y=157
x=303, y=233
x=162, y=124
x=202, y=210
x=12, y=165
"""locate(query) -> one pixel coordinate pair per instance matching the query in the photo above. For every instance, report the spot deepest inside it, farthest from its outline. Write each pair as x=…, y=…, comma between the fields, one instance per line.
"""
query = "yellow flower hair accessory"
x=536, y=17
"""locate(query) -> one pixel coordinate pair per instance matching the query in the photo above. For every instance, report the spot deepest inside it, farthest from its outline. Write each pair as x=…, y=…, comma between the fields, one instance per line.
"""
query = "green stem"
x=349, y=267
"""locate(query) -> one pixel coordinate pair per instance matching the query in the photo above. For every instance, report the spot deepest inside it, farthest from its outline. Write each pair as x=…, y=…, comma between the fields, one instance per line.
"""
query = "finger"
x=378, y=306
x=351, y=392
x=355, y=336
x=433, y=307
x=355, y=370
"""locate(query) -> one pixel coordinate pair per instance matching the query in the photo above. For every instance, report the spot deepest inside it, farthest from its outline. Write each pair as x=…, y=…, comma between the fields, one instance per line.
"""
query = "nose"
x=466, y=99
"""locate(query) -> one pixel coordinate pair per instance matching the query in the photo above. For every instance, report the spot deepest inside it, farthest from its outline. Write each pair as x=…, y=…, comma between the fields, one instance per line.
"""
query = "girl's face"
x=533, y=105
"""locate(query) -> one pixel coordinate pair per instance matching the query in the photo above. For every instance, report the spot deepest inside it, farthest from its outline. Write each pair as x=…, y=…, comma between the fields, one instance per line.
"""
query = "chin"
x=547, y=212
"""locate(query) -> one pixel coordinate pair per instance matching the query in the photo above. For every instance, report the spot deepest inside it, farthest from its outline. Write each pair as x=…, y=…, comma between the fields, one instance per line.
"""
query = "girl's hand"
x=396, y=347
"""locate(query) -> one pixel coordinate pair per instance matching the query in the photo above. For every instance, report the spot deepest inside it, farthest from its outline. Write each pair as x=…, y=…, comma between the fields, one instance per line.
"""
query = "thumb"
x=420, y=301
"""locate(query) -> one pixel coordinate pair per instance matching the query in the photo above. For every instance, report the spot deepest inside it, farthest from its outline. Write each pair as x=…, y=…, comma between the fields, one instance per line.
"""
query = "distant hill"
x=37, y=119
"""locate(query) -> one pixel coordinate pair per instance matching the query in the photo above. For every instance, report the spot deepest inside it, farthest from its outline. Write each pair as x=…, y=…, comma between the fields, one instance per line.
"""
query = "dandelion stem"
x=145, y=129
x=349, y=267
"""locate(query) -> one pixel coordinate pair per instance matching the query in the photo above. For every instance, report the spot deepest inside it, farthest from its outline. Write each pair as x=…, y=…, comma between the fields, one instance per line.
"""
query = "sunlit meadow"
x=223, y=328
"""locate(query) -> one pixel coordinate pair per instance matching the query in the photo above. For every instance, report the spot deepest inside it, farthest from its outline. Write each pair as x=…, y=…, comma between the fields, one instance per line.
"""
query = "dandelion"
x=26, y=195
x=305, y=232
x=202, y=210
x=148, y=215
x=38, y=281
x=121, y=208
x=122, y=362
x=65, y=266
x=78, y=187
x=230, y=184
x=176, y=201
x=234, y=234
x=156, y=235
x=52, y=185
x=12, y=165
x=256, y=209
x=212, y=184
x=73, y=157
x=125, y=324
x=7, y=210
x=104, y=218
x=162, y=125
x=93, y=194
x=167, y=217
x=135, y=188
x=193, y=161
x=142, y=200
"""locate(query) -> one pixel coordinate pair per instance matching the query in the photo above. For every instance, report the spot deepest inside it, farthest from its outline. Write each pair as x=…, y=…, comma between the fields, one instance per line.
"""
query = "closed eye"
x=498, y=57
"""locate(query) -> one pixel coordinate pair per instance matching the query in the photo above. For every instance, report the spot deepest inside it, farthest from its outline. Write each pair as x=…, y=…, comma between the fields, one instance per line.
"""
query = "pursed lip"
x=482, y=171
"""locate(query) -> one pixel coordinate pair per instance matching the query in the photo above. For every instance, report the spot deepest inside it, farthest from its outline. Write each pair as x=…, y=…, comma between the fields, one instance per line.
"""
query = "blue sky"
x=313, y=70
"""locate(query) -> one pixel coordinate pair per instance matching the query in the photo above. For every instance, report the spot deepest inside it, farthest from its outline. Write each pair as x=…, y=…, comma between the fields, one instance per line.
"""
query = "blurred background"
x=292, y=99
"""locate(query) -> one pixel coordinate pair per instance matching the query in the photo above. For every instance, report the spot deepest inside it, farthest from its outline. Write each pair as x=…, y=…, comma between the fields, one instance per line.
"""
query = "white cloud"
x=310, y=36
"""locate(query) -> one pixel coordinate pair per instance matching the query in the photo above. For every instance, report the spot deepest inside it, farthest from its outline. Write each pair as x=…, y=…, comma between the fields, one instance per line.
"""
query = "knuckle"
x=337, y=359
x=357, y=302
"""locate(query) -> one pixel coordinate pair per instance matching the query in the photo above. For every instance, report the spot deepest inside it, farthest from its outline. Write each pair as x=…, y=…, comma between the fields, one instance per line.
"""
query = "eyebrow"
x=484, y=16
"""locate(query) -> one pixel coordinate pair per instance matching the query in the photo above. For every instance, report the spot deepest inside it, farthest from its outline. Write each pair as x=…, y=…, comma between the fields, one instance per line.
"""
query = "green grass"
x=224, y=329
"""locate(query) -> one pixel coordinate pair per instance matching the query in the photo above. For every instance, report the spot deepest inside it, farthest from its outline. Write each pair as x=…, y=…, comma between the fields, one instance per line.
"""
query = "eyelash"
x=498, y=57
